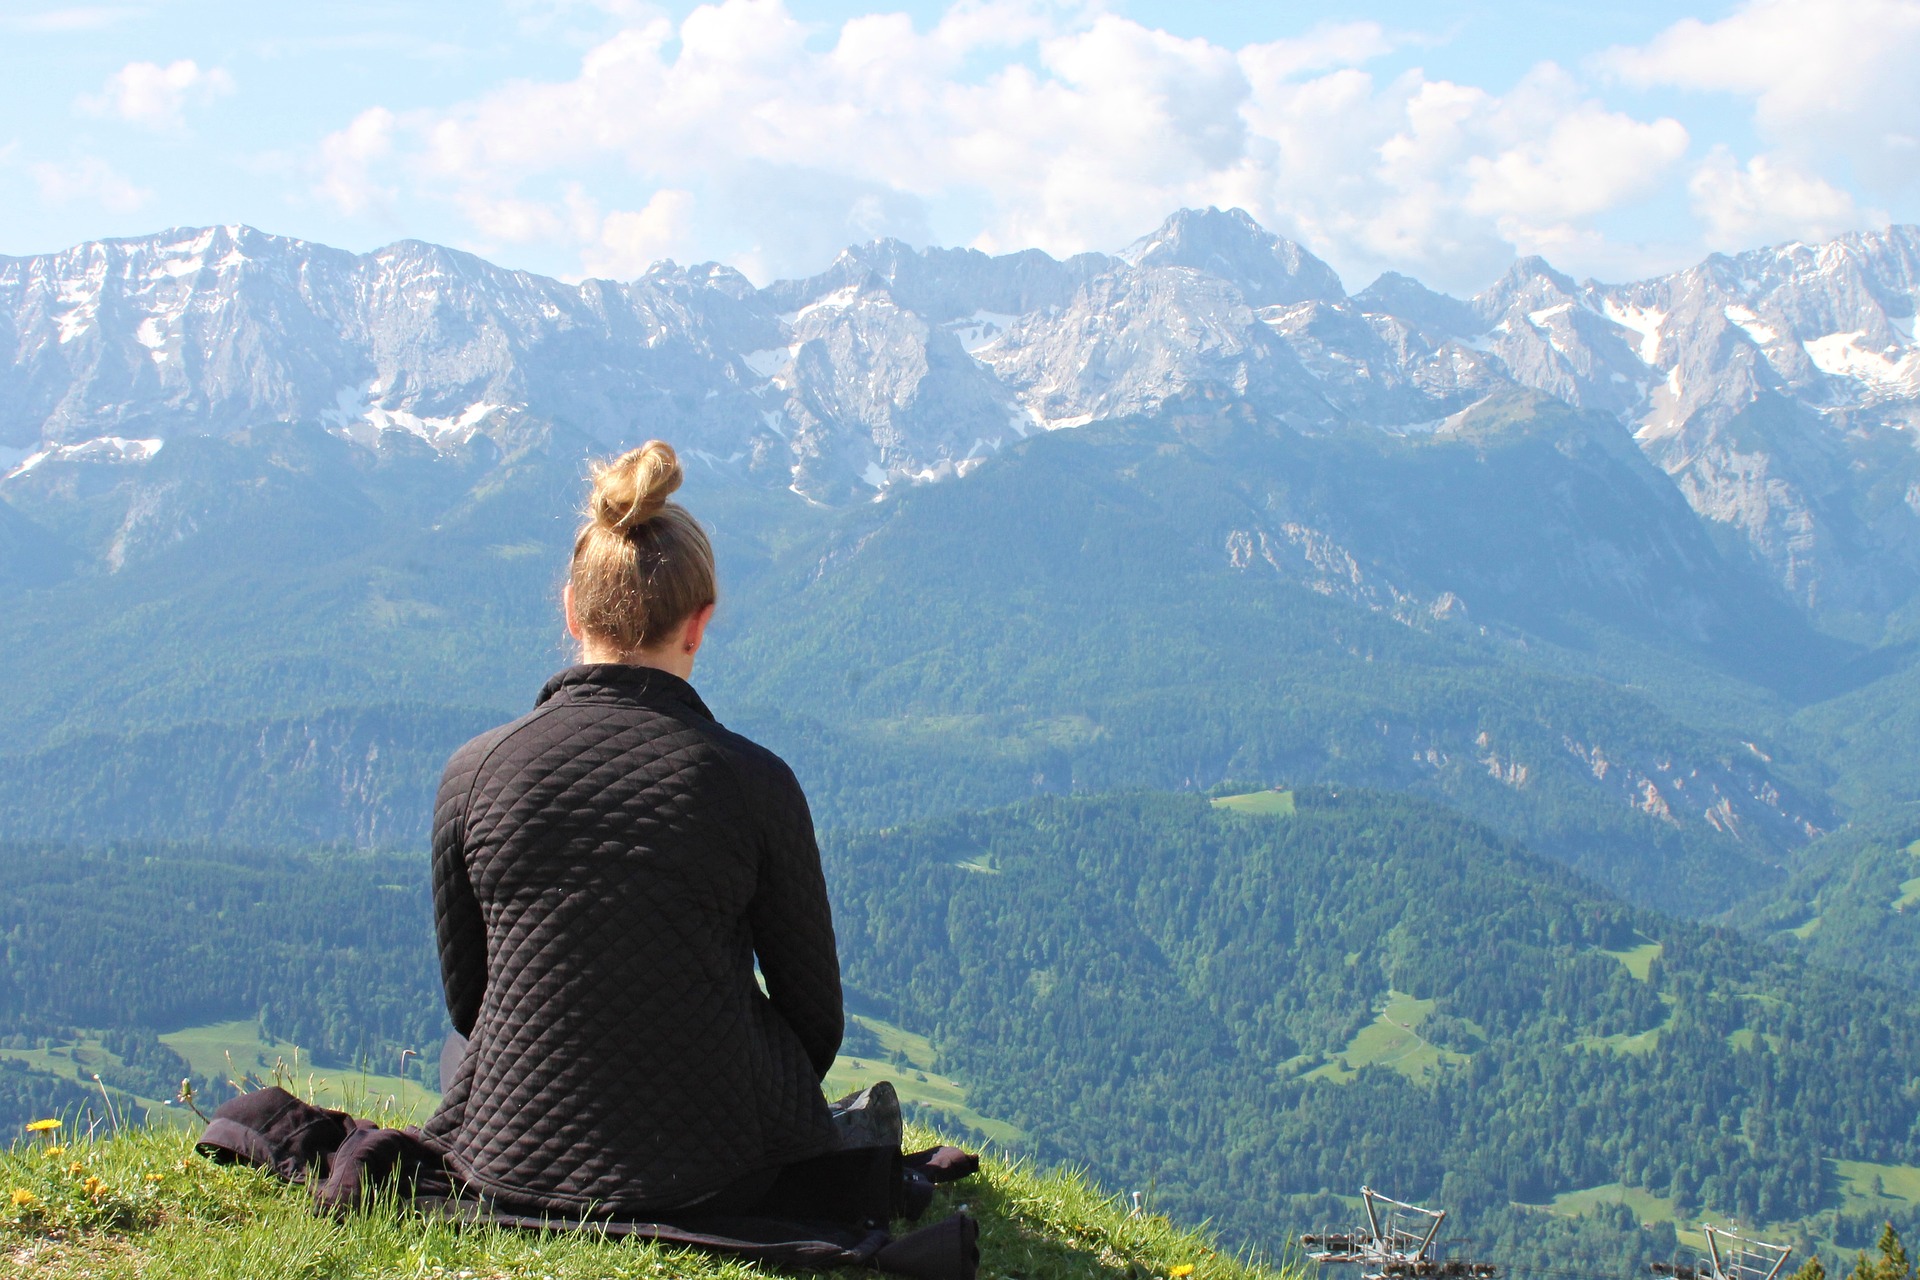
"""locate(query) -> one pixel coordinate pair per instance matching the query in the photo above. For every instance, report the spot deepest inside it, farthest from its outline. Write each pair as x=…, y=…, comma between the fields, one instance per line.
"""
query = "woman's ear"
x=696, y=629
x=566, y=607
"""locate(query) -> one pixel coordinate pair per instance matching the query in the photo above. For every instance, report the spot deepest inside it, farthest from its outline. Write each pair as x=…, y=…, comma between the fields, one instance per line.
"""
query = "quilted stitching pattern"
x=605, y=872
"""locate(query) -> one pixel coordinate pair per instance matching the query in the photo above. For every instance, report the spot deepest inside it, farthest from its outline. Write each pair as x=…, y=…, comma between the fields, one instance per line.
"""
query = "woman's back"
x=605, y=871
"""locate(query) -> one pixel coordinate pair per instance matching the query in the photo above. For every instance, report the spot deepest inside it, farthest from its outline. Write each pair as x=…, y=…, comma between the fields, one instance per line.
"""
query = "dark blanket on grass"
x=830, y=1211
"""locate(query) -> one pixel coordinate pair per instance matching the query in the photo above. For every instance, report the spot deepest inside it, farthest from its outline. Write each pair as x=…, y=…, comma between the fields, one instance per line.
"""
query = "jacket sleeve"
x=457, y=922
x=792, y=922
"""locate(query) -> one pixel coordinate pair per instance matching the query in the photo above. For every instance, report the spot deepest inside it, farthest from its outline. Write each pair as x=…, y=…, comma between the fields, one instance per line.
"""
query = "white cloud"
x=1584, y=161
x=1327, y=47
x=1448, y=180
x=747, y=135
x=1766, y=200
x=347, y=158
x=626, y=241
x=146, y=93
x=1827, y=77
x=89, y=179
x=71, y=18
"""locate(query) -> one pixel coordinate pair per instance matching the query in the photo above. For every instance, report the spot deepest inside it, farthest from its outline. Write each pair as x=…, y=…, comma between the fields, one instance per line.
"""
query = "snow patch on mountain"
x=111, y=449
x=769, y=361
x=1644, y=321
x=1845, y=355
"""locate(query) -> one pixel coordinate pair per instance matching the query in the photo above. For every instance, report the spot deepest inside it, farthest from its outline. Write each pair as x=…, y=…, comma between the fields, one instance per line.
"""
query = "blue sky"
x=591, y=137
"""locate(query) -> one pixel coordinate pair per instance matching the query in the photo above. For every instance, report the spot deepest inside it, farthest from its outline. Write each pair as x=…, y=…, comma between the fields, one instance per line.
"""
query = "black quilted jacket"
x=605, y=871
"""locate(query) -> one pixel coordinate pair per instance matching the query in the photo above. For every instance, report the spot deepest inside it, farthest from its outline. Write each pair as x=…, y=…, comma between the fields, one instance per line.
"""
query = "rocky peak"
x=1779, y=389
x=1530, y=284
x=945, y=285
x=1435, y=316
x=1267, y=269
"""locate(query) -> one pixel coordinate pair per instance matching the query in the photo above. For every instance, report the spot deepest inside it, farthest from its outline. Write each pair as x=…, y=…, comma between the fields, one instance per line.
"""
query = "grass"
x=237, y=1050
x=1856, y=1178
x=1747, y=1037
x=910, y=1065
x=1909, y=894
x=141, y=1204
x=1391, y=1040
x=1623, y=1042
x=1862, y=1189
x=1638, y=960
x=1268, y=804
x=75, y=1060
x=1646, y=1206
x=1634, y=1041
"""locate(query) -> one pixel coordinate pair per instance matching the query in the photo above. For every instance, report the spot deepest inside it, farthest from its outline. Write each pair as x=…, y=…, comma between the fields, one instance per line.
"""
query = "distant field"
x=1909, y=889
x=1858, y=1180
x=914, y=1078
x=78, y=1061
x=1632, y=1042
x=1391, y=1040
x=1638, y=960
x=1909, y=894
x=1645, y=1205
x=1272, y=804
x=1623, y=1042
x=1862, y=1188
x=236, y=1050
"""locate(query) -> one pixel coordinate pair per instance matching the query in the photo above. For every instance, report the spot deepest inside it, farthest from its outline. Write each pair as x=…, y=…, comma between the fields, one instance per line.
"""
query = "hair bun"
x=633, y=488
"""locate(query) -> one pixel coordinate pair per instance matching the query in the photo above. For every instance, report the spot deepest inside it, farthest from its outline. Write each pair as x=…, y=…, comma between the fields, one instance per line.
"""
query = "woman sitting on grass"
x=606, y=871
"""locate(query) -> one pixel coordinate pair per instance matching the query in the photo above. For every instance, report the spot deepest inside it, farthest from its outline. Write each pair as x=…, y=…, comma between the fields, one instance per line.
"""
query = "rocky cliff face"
x=1775, y=388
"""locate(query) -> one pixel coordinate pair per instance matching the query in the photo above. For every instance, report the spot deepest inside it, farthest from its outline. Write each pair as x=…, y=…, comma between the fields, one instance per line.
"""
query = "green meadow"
x=1268, y=804
x=1391, y=1040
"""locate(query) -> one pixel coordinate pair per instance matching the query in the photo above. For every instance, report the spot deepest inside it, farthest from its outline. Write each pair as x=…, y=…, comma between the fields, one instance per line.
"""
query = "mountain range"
x=1772, y=387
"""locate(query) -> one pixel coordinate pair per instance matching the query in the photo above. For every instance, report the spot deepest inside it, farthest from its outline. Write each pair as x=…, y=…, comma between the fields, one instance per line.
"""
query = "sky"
x=593, y=137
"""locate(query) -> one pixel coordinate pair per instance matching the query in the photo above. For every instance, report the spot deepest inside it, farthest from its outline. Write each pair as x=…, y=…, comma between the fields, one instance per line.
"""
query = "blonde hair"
x=641, y=565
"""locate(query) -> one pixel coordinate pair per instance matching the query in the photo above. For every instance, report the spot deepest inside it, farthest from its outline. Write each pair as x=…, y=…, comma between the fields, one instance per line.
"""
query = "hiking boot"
x=869, y=1118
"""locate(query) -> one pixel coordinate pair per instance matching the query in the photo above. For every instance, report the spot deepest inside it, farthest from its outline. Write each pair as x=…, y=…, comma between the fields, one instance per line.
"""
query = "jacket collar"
x=621, y=683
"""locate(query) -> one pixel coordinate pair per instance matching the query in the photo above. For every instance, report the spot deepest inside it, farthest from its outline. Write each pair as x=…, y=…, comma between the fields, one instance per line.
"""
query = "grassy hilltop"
x=140, y=1203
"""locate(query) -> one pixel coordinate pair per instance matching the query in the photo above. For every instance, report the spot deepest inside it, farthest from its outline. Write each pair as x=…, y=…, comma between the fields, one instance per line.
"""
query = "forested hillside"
x=1853, y=900
x=1137, y=604
x=1240, y=1010
x=1104, y=614
x=1242, y=1015
x=106, y=949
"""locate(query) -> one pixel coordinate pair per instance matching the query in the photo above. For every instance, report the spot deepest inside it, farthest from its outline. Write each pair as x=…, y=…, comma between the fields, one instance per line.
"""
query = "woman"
x=606, y=870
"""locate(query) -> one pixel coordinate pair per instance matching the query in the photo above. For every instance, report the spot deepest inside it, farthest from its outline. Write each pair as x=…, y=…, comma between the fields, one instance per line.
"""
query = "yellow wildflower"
x=22, y=1197
x=1184, y=1269
x=93, y=1187
x=55, y=1150
x=43, y=1126
x=75, y=1169
x=156, y=1177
